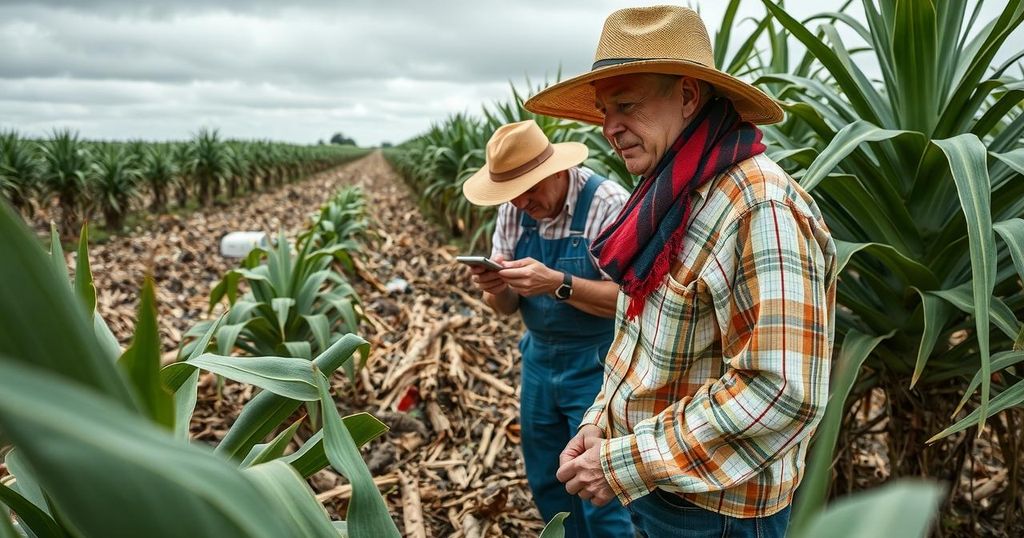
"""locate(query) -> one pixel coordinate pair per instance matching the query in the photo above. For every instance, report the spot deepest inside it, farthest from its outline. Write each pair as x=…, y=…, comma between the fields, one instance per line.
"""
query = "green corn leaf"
x=556, y=527
x=1000, y=361
x=83, y=273
x=311, y=457
x=185, y=404
x=367, y=513
x=814, y=490
x=43, y=297
x=300, y=350
x=279, y=483
x=265, y=452
x=937, y=312
x=26, y=484
x=1012, y=232
x=141, y=362
x=284, y=376
x=902, y=508
x=1001, y=314
x=321, y=328
x=268, y=410
x=967, y=161
x=111, y=473
x=36, y=520
x=1010, y=397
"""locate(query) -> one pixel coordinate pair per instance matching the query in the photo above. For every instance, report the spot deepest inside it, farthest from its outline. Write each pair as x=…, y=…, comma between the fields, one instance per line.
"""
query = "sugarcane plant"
x=919, y=176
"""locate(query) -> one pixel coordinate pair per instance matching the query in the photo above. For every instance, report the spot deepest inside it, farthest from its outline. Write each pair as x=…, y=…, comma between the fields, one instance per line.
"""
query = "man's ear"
x=691, y=94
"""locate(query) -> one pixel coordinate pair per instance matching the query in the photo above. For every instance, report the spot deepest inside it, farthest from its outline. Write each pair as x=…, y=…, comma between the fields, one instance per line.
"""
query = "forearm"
x=595, y=297
x=503, y=302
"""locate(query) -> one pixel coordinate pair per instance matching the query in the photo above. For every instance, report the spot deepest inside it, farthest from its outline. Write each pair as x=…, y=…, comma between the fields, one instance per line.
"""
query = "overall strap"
x=579, y=217
x=526, y=221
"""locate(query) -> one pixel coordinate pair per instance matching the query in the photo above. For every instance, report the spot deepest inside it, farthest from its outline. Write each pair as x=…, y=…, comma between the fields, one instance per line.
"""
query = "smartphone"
x=480, y=261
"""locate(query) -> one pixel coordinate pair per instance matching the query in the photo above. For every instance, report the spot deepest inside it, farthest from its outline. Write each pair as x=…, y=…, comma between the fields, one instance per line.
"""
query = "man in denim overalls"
x=551, y=209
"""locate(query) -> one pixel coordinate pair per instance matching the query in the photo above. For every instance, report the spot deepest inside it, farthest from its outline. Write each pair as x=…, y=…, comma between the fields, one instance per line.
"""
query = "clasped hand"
x=580, y=467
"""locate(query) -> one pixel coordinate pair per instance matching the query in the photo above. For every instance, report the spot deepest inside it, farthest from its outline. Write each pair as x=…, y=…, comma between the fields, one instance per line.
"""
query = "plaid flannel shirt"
x=714, y=390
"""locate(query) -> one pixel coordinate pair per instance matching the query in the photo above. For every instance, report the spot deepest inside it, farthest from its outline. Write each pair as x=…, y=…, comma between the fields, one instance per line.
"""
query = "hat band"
x=525, y=167
x=619, y=61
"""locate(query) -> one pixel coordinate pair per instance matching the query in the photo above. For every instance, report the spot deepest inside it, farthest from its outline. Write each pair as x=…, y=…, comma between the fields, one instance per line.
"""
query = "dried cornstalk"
x=491, y=380
x=412, y=512
x=344, y=491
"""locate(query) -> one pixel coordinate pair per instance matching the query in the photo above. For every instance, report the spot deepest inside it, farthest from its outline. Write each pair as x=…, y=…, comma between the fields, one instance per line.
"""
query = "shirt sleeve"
x=503, y=241
x=773, y=309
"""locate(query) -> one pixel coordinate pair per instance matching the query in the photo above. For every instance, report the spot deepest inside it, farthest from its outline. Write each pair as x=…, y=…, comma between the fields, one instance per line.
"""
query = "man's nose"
x=611, y=128
x=519, y=201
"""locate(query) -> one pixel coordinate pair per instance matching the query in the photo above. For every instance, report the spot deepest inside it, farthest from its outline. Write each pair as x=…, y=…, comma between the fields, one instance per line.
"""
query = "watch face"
x=563, y=292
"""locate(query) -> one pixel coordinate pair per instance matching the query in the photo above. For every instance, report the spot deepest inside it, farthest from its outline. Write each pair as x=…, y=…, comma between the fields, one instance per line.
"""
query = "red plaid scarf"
x=638, y=248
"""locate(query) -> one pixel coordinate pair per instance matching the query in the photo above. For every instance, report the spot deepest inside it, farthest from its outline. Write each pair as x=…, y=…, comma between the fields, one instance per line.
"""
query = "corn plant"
x=920, y=178
x=210, y=164
x=19, y=172
x=342, y=220
x=100, y=436
x=113, y=181
x=161, y=173
x=65, y=163
x=296, y=306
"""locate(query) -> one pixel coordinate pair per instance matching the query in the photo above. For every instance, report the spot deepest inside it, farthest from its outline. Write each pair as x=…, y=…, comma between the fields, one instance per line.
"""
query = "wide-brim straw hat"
x=519, y=156
x=670, y=40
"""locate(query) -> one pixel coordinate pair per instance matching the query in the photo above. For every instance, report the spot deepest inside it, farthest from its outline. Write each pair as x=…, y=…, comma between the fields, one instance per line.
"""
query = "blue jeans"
x=560, y=381
x=661, y=514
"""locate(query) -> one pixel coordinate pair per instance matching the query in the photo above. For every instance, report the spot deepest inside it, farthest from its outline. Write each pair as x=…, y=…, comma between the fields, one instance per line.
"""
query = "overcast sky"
x=373, y=70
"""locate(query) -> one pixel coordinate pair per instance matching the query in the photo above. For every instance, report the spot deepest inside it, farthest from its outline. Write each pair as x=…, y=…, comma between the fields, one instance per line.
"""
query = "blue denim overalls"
x=563, y=364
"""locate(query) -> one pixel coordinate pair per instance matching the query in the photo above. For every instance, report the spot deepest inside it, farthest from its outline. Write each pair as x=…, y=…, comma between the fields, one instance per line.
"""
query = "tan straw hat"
x=659, y=39
x=519, y=156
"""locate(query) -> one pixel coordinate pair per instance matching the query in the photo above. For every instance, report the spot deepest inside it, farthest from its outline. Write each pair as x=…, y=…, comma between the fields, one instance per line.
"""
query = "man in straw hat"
x=718, y=373
x=551, y=209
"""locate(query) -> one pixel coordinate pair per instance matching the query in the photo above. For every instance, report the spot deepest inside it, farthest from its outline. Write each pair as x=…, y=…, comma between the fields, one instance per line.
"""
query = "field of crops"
x=347, y=379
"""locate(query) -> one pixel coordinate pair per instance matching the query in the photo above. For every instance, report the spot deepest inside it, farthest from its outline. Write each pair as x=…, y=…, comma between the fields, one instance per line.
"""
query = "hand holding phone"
x=480, y=261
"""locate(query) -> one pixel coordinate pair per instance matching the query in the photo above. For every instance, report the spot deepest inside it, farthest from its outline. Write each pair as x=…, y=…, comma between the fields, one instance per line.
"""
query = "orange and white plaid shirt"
x=714, y=390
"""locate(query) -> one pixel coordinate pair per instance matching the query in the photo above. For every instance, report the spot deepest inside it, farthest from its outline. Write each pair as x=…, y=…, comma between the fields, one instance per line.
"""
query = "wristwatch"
x=564, y=291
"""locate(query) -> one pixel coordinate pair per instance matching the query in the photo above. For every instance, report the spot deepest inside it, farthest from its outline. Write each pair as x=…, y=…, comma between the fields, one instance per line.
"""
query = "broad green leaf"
x=26, y=484
x=84, y=286
x=141, y=362
x=1000, y=361
x=185, y=404
x=902, y=508
x=846, y=141
x=282, y=305
x=30, y=280
x=310, y=457
x=265, y=452
x=284, y=376
x=937, y=312
x=813, y=492
x=227, y=335
x=914, y=60
x=268, y=410
x=38, y=521
x=910, y=271
x=967, y=161
x=556, y=527
x=301, y=349
x=321, y=329
x=1001, y=314
x=1011, y=397
x=292, y=495
x=367, y=513
x=111, y=473
x=57, y=251
x=1012, y=232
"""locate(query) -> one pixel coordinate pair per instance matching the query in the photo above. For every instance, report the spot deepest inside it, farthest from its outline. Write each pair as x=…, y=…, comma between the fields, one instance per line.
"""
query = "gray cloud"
x=375, y=70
